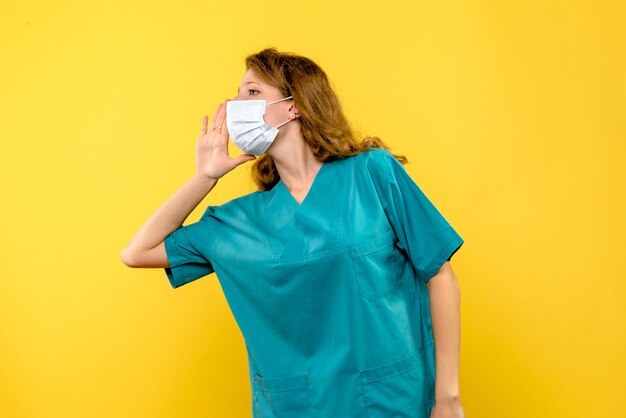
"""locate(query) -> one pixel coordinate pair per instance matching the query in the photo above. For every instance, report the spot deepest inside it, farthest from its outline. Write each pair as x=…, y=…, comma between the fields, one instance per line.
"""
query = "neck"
x=296, y=165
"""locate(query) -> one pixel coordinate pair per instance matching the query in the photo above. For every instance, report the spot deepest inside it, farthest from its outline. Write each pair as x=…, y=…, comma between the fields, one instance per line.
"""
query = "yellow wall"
x=511, y=113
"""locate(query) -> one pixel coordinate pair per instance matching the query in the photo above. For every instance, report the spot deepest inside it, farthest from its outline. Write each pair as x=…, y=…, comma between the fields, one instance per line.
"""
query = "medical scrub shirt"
x=330, y=295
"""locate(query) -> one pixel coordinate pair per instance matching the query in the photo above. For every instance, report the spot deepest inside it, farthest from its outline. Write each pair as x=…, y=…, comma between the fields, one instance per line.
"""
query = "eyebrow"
x=248, y=82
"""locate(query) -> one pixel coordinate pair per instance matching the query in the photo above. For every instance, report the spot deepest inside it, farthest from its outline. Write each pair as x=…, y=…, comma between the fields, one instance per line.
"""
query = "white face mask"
x=246, y=126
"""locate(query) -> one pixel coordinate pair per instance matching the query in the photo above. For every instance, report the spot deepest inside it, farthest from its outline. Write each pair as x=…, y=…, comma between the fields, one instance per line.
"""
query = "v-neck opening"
x=309, y=192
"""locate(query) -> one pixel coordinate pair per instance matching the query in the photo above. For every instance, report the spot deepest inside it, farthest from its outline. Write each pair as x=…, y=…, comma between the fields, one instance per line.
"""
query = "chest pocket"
x=378, y=265
x=280, y=397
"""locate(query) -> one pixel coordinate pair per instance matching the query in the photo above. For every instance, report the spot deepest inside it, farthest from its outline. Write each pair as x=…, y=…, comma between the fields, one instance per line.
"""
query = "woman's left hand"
x=447, y=409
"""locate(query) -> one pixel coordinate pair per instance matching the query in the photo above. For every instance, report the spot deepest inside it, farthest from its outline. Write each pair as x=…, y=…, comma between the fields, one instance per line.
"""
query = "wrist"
x=203, y=182
x=447, y=396
x=204, y=178
x=447, y=391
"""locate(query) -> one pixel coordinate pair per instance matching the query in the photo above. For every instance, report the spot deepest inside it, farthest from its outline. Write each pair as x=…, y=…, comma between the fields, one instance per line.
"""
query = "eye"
x=249, y=90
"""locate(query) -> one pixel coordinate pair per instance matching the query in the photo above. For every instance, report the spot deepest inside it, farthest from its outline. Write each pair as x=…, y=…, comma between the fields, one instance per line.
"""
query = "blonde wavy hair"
x=324, y=126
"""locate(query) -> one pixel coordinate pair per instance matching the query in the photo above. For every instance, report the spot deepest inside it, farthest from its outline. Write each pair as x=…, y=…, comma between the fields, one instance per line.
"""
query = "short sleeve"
x=188, y=250
x=422, y=231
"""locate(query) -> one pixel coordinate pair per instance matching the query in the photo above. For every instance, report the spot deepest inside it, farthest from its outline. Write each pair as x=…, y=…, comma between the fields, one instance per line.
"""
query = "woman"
x=331, y=269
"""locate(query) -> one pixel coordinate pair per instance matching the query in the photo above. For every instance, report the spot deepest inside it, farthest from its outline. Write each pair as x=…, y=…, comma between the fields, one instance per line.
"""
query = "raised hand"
x=212, y=159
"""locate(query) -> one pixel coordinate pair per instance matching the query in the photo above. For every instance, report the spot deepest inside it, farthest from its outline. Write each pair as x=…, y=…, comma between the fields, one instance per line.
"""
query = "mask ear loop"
x=278, y=126
x=279, y=100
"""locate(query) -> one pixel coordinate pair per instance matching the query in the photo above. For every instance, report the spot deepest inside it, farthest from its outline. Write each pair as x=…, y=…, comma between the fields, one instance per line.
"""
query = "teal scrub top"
x=330, y=295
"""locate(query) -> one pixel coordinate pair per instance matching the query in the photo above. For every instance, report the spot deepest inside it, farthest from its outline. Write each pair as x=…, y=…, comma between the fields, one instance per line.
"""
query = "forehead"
x=251, y=77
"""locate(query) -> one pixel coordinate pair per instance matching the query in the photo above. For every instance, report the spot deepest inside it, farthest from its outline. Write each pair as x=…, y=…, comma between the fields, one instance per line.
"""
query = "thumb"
x=243, y=158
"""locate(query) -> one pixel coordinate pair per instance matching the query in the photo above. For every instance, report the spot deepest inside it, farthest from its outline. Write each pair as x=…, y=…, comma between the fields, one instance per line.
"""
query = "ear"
x=293, y=111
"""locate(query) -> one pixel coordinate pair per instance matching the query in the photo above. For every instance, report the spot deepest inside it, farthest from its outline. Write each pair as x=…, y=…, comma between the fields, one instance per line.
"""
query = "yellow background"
x=512, y=115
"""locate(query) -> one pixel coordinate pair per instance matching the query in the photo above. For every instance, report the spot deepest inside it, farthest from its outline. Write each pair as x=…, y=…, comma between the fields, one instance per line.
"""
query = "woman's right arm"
x=146, y=248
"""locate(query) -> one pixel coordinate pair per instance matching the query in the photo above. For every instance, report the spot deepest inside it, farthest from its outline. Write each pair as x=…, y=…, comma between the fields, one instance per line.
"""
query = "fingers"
x=205, y=118
x=214, y=120
x=221, y=119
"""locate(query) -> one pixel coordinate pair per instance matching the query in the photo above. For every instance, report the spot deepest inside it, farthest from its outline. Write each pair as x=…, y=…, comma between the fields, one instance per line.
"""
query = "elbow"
x=127, y=258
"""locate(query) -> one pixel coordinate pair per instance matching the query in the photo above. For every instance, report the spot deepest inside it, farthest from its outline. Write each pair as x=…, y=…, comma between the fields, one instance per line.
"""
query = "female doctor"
x=337, y=270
